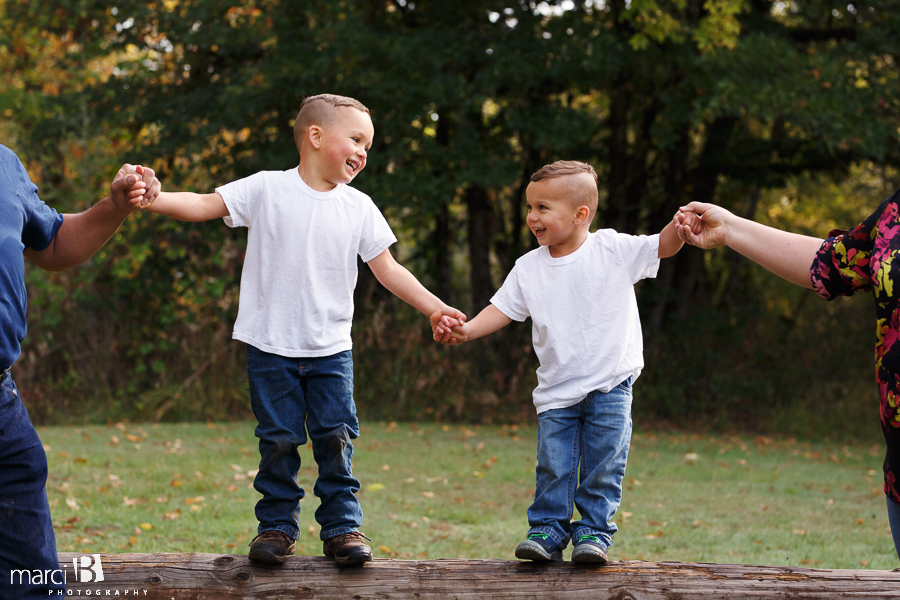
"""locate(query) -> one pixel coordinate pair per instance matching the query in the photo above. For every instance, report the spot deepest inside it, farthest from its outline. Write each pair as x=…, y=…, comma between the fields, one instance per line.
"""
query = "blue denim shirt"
x=25, y=222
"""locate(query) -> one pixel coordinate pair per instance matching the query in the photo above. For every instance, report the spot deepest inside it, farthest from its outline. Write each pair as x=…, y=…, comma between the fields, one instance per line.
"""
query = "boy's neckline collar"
x=336, y=191
x=548, y=258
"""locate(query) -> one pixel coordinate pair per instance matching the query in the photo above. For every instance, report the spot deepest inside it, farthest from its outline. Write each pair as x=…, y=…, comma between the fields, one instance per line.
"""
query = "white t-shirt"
x=301, y=268
x=585, y=324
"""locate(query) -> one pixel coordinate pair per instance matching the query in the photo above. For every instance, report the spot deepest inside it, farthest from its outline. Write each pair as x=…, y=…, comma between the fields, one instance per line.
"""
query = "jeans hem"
x=291, y=532
x=554, y=535
x=605, y=539
x=324, y=535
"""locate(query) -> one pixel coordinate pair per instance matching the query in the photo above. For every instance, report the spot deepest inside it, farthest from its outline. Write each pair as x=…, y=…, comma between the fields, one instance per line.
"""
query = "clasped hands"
x=448, y=326
x=134, y=187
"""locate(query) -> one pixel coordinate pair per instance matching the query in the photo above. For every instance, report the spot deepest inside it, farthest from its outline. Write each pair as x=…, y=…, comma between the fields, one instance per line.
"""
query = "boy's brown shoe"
x=271, y=547
x=348, y=549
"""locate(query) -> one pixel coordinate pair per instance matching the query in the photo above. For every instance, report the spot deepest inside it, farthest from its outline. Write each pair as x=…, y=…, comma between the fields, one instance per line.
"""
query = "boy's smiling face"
x=344, y=146
x=553, y=218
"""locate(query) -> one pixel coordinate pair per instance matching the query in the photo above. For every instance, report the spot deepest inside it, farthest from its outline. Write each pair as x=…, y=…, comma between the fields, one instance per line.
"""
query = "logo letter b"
x=88, y=572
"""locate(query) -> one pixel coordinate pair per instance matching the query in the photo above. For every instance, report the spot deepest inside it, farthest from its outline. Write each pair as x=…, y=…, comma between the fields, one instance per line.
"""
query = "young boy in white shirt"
x=578, y=289
x=306, y=229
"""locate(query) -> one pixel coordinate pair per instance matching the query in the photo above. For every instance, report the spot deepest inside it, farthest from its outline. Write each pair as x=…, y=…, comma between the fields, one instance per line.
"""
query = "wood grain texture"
x=233, y=577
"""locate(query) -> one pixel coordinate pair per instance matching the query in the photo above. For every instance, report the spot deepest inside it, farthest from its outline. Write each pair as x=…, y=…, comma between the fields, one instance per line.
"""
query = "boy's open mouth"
x=354, y=166
x=539, y=231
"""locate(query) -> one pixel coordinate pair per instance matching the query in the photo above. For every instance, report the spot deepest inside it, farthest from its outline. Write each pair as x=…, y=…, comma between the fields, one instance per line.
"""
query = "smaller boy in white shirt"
x=578, y=289
x=306, y=229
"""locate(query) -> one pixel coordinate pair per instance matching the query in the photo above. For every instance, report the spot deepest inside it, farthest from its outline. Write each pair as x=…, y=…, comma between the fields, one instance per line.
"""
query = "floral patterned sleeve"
x=848, y=261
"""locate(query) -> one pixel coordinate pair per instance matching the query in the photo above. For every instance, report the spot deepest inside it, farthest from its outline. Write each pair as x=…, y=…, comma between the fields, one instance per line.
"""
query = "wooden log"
x=233, y=577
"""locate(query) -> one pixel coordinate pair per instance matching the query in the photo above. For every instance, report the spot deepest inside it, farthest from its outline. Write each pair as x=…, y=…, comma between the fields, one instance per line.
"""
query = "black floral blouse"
x=862, y=260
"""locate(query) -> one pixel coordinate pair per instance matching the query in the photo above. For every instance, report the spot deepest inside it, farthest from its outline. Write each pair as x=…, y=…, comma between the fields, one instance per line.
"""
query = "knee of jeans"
x=337, y=440
x=281, y=445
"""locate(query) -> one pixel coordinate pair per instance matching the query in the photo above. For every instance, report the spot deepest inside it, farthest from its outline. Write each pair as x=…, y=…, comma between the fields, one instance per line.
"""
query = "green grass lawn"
x=446, y=491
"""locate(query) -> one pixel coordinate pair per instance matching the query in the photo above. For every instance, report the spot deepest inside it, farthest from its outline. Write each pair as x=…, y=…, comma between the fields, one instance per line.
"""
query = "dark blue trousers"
x=27, y=543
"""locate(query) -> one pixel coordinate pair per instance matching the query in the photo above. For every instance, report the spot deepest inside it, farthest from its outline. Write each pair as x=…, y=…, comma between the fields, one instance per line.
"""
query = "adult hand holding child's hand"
x=702, y=225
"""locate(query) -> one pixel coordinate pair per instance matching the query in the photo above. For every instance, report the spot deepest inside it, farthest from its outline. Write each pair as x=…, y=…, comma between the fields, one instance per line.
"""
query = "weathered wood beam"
x=232, y=577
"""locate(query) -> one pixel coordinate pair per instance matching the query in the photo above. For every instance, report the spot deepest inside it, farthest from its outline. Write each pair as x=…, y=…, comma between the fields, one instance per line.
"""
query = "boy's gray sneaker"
x=539, y=546
x=589, y=549
x=271, y=547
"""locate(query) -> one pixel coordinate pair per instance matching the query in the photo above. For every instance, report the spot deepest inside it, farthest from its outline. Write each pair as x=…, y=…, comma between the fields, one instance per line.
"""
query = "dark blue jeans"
x=26, y=530
x=582, y=451
x=290, y=397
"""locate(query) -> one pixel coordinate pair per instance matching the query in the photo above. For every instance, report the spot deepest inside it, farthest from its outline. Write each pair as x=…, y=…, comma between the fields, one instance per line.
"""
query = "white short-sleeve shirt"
x=585, y=324
x=300, y=268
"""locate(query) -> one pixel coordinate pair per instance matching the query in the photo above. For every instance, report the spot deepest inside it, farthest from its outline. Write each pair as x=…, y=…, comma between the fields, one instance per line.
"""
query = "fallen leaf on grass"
x=172, y=515
x=375, y=487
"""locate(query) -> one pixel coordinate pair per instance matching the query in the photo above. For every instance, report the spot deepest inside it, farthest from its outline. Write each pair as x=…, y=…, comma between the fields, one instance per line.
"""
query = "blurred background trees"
x=782, y=112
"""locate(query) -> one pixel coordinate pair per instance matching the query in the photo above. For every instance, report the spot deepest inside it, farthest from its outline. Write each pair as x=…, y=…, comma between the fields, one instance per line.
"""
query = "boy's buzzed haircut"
x=580, y=192
x=319, y=110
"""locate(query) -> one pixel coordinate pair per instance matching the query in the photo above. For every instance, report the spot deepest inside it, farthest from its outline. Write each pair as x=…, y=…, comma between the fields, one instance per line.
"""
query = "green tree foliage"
x=732, y=101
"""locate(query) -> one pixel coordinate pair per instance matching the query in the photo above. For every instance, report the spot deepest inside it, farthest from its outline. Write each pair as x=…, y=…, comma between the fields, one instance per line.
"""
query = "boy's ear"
x=582, y=215
x=314, y=134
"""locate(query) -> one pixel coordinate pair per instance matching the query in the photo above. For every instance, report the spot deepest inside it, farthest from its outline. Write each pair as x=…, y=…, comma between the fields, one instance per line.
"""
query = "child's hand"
x=688, y=220
x=154, y=186
x=442, y=321
x=458, y=334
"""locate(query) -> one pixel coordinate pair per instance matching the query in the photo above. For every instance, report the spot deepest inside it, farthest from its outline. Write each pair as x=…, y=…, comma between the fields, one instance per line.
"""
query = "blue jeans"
x=582, y=451
x=290, y=397
x=26, y=530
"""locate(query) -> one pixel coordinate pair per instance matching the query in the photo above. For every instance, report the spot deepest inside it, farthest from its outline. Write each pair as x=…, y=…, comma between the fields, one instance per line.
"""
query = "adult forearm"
x=788, y=255
x=80, y=236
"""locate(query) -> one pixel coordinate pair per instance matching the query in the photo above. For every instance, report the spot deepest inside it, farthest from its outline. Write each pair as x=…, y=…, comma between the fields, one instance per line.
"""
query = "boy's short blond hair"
x=320, y=110
x=581, y=191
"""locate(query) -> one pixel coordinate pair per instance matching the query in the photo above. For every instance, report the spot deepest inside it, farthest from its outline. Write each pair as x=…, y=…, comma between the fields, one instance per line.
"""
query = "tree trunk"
x=480, y=234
